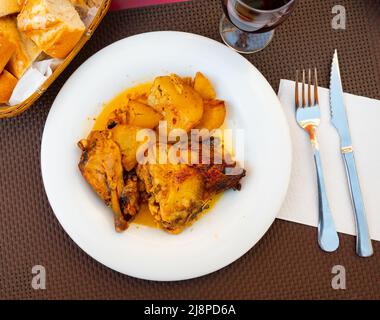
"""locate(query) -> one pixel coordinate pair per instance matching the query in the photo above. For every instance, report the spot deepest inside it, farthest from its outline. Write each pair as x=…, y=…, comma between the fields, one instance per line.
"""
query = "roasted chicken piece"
x=101, y=166
x=179, y=192
x=175, y=193
x=180, y=105
x=130, y=196
x=218, y=169
x=217, y=180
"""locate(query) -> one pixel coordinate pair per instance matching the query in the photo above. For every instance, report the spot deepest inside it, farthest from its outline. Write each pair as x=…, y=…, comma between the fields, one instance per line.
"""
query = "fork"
x=308, y=118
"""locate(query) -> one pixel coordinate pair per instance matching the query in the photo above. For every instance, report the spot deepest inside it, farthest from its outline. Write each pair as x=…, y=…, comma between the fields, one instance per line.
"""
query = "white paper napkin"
x=32, y=79
x=301, y=204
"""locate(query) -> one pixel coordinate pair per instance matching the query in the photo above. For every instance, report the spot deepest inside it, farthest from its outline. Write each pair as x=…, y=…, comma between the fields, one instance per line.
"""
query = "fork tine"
x=303, y=89
x=296, y=92
x=316, y=99
x=309, y=102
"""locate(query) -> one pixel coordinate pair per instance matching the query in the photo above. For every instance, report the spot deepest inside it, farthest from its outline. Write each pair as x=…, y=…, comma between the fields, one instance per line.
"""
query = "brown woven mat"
x=286, y=264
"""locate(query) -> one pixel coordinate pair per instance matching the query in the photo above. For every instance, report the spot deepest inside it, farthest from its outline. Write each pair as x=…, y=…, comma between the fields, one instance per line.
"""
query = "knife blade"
x=340, y=122
x=338, y=111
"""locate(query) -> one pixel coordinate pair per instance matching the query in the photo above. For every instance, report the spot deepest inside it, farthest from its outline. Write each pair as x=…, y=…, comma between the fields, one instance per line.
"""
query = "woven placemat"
x=285, y=264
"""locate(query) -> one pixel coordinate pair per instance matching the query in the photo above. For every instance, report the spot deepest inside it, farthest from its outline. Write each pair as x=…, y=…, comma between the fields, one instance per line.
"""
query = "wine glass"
x=247, y=25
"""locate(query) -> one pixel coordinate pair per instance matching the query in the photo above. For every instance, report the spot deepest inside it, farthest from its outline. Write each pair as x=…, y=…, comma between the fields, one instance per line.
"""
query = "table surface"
x=285, y=264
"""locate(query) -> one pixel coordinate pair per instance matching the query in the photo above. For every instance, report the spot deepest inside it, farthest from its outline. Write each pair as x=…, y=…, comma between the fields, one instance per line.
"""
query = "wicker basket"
x=11, y=111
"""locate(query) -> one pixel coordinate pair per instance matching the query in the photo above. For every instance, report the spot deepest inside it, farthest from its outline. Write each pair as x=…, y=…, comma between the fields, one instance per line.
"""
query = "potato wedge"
x=188, y=81
x=204, y=87
x=125, y=137
x=141, y=115
x=180, y=105
x=213, y=115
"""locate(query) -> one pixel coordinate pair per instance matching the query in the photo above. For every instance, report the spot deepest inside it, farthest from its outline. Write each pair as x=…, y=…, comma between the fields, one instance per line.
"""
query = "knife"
x=340, y=122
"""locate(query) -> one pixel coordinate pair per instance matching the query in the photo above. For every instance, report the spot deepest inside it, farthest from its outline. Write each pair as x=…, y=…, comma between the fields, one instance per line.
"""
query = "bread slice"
x=54, y=25
x=7, y=49
x=26, y=51
x=7, y=84
x=9, y=7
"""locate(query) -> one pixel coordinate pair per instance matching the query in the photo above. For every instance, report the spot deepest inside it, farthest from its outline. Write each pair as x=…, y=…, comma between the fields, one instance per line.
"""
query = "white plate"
x=239, y=219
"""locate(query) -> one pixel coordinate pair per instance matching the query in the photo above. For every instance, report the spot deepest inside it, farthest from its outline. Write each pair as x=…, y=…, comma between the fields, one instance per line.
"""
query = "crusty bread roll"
x=54, y=25
x=7, y=84
x=9, y=7
x=21, y=3
x=26, y=51
x=7, y=49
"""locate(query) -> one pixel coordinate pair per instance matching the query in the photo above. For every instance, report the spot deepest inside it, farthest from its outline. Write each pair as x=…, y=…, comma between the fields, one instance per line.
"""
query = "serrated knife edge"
x=337, y=105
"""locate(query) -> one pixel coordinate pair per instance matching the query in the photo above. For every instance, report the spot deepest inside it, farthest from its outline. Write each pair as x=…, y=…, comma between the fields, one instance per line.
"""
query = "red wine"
x=265, y=4
x=257, y=15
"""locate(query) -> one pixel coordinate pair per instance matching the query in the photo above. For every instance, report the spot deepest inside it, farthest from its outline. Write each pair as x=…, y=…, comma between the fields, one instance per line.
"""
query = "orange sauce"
x=144, y=217
x=139, y=92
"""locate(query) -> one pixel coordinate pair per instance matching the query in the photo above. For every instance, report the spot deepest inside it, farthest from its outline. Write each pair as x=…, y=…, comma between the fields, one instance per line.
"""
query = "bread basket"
x=11, y=111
